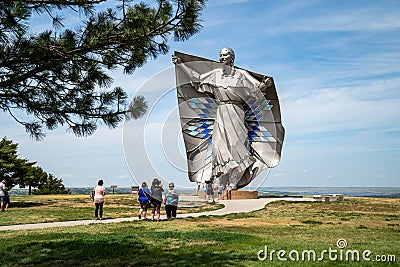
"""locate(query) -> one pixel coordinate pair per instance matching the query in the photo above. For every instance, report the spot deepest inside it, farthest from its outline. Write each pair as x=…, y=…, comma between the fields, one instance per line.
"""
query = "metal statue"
x=230, y=119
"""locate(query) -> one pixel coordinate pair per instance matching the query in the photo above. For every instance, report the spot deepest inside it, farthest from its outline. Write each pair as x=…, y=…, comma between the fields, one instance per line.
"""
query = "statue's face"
x=225, y=57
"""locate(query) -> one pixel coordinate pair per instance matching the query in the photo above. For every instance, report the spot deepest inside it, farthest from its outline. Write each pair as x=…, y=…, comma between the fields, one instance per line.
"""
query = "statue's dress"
x=231, y=155
x=231, y=123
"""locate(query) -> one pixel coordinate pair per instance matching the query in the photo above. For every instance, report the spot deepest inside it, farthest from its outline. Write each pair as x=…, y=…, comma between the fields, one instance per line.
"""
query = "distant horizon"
x=364, y=191
x=246, y=188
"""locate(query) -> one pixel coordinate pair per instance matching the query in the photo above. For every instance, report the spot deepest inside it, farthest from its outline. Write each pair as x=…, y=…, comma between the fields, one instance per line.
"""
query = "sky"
x=336, y=67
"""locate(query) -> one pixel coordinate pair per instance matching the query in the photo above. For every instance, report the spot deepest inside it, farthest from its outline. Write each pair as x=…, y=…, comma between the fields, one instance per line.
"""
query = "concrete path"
x=231, y=206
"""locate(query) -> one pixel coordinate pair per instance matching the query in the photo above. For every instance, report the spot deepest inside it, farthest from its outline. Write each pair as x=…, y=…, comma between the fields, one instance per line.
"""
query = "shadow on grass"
x=280, y=196
x=130, y=248
x=27, y=204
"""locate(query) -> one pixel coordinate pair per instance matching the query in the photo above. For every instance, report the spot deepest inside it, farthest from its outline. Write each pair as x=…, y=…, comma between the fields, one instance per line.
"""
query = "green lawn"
x=55, y=208
x=231, y=240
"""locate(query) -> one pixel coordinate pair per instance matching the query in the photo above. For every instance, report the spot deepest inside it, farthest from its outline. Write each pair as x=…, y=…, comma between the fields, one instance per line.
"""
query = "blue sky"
x=337, y=71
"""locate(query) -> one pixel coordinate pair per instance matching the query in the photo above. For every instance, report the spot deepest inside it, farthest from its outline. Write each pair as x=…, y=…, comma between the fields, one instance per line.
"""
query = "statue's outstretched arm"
x=264, y=84
x=188, y=71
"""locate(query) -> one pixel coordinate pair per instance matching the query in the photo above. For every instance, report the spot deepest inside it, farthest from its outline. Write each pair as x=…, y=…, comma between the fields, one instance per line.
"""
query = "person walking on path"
x=99, y=193
x=210, y=191
x=143, y=199
x=156, y=198
x=171, y=201
x=3, y=190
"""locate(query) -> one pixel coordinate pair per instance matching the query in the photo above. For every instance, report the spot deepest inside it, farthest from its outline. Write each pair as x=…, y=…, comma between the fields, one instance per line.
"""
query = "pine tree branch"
x=56, y=76
x=56, y=2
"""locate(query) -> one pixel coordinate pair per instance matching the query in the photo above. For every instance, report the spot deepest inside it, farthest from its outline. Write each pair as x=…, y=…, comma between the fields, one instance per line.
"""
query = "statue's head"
x=227, y=56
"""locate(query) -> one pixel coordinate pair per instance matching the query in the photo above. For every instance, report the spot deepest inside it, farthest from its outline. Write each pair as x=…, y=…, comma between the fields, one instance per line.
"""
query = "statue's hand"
x=176, y=60
x=266, y=81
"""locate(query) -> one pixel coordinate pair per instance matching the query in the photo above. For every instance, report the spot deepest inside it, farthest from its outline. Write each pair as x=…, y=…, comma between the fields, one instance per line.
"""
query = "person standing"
x=171, y=201
x=143, y=199
x=3, y=190
x=228, y=189
x=7, y=200
x=99, y=193
x=156, y=198
x=210, y=191
x=219, y=190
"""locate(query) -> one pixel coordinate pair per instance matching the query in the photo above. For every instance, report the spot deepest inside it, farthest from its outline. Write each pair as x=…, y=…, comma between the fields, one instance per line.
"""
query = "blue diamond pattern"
x=199, y=128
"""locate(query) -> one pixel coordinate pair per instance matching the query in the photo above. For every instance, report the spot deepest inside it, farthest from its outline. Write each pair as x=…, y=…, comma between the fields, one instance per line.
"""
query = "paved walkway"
x=231, y=206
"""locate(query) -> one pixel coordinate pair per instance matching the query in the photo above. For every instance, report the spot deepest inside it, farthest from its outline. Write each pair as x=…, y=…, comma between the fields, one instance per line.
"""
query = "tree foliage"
x=12, y=168
x=23, y=173
x=51, y=186
x=60, y=76
x=34, y=178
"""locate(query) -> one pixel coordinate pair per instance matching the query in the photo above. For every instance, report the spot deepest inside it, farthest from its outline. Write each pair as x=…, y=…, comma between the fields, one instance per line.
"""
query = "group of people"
x=153, y=198
x=148, y=198
x=4, y=196
x=210, y=192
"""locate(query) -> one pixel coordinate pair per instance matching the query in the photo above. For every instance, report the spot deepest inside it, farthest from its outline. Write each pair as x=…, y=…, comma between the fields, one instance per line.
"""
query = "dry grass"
x=52, y=208
x=353, y=212
x=230, y=240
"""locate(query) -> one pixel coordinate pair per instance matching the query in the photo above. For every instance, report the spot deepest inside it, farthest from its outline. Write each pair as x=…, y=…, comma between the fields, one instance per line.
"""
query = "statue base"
x=235, y=194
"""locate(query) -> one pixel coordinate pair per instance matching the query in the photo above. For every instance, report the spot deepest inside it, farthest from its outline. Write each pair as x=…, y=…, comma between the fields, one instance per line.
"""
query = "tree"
x=23, y=173
x=59, y=76
x=8, y=156
x=51, y=186
x=12, y=168
x=35, y=177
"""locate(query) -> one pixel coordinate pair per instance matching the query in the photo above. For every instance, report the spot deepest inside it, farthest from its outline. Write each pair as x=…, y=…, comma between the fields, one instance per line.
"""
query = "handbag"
x=148, y=203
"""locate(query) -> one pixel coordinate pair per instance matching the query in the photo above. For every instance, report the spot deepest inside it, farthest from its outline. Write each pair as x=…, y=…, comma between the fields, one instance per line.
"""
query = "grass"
x=55, y=208
x=229, y=240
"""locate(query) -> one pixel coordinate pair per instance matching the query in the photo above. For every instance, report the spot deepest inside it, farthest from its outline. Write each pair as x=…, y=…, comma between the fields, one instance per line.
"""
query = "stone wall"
x=235, y=194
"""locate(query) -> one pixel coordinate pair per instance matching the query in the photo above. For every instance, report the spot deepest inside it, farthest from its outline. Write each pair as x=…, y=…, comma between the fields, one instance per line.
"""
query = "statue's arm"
x=265, y=83
x=190, y=73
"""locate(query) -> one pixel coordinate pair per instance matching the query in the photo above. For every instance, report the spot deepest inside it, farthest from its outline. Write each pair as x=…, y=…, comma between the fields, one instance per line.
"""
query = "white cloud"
x=337, y=76
x=322, y=16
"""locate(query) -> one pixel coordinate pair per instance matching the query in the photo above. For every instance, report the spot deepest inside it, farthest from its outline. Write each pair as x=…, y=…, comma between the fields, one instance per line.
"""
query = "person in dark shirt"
x=156, y=198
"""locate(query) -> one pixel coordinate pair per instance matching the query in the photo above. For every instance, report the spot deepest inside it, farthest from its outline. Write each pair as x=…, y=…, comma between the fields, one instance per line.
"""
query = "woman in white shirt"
x=99, y=193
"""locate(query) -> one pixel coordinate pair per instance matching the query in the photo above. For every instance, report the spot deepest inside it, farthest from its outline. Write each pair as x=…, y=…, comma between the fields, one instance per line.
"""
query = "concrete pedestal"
x=235, y=194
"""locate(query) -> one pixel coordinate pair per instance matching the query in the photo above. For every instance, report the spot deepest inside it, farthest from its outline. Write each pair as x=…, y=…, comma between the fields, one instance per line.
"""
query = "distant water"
x=392, y=192
x=385, y=192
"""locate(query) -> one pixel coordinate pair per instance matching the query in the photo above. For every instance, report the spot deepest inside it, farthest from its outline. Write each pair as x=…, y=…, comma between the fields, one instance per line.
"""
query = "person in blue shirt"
x=171, y=201
x=143, y=199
